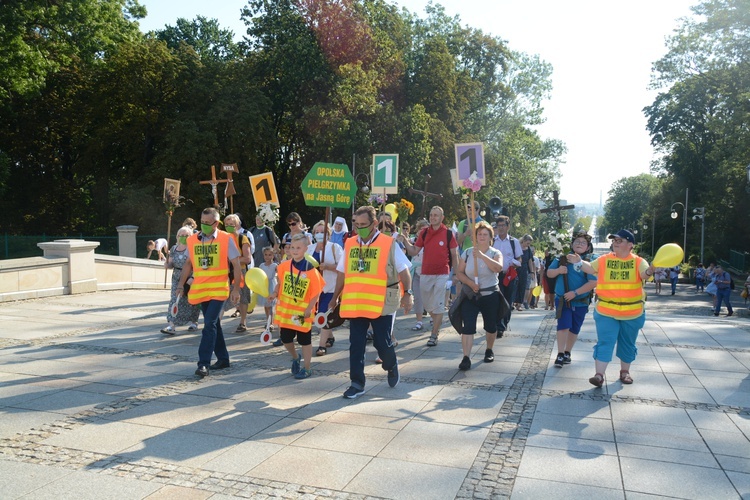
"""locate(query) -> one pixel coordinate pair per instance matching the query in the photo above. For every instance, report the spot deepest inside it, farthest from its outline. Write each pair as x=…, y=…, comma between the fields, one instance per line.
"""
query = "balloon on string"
x=537, y=291
x=668, y=255
x=391, y=210
x=257, y=281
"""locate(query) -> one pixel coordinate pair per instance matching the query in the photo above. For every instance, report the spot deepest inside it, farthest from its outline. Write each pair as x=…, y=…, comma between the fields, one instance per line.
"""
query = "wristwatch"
x=409, y=292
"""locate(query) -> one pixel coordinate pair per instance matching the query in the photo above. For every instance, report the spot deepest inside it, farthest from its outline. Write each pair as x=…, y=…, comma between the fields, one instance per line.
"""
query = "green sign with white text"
x=329, y=185
x=384, y=173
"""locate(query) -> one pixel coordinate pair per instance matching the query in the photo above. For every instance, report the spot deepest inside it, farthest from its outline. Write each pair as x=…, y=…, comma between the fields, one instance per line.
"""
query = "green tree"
x=39, y=38
x=700, y=119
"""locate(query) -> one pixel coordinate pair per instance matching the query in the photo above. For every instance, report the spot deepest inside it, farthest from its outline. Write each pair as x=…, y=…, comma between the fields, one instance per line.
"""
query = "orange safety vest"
x=210, y=281
x=619, y=288
x=296, y=290
x=363, y=295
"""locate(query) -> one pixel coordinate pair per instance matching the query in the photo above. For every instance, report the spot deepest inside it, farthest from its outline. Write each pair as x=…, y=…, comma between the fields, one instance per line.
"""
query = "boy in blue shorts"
x=573, y=303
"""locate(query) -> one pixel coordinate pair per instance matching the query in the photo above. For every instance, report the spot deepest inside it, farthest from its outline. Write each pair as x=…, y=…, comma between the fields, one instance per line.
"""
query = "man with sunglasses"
x=368, y=286
x=619, y=313
x=210, y=253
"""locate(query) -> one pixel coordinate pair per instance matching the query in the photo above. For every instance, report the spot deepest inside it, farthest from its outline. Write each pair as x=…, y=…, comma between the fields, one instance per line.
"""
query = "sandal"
x=417, y=327
x=597, y=380
x=240, y=329
x=433, y=341
x=329, y=342
x=169, y=330
x=322, y=351
x=625, y=377
x=235, y=314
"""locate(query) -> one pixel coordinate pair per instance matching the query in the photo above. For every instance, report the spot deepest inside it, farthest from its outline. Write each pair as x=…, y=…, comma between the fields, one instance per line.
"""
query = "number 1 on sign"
x=471, y=154
x=388, y=166
x=470, y=159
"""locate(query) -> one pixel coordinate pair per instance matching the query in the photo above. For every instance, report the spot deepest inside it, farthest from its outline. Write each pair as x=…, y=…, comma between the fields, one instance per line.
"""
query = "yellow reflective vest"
x=619, y=288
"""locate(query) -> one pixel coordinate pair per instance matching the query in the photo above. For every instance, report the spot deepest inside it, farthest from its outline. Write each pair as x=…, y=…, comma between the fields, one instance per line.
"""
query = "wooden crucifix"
x=557, y=209
x=425, y=194
x=229, y=191
x=214, y=182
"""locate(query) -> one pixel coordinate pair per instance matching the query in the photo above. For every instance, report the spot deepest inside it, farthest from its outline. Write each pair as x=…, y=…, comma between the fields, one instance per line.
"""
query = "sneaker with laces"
x=489, y=356
x=465, y=364
x=352, y=392
x=295, y=366
x=303, y=373
x=566, y=358
x=393, y=376
x=560, y=360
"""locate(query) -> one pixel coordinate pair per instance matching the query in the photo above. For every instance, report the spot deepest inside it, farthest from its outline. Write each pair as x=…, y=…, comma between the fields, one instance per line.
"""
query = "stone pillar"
x=126, y=241
x=81, y=272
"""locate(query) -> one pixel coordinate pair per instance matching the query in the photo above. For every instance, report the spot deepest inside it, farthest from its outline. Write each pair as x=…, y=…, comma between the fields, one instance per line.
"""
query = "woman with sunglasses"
x=296, y=226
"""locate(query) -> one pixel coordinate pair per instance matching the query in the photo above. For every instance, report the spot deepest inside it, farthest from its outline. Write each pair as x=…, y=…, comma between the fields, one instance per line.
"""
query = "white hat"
x=343, y=221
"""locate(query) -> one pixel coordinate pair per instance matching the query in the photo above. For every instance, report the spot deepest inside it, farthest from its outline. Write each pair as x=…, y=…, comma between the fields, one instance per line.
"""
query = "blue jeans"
x=723, y=294
x=381, y=340
x=509, y=293
x=674, y=284
x=212, y=340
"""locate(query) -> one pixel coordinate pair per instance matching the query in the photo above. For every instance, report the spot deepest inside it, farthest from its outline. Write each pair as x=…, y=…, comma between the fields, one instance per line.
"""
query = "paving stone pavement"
x=97, y=403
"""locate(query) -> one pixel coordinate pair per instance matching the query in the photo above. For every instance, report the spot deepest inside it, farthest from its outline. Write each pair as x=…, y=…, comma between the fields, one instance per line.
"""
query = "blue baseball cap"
x=624, y=234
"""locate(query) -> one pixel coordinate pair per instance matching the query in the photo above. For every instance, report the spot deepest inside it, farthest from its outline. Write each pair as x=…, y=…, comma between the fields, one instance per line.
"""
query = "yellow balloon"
x=309, y=258
x=537, y=291
x=253, y=302
x=391, y=209
x=668, y=255
x=257, y=281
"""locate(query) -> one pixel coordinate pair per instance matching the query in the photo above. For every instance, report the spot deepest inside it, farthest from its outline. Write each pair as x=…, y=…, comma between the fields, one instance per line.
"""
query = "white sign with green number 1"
x=384, y=173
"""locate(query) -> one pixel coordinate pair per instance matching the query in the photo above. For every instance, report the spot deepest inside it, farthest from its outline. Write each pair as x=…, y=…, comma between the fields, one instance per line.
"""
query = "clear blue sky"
x=601, y=52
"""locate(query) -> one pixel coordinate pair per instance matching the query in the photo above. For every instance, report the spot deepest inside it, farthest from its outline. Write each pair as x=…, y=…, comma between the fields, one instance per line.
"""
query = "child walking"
x=297, y=292
x=268, y=266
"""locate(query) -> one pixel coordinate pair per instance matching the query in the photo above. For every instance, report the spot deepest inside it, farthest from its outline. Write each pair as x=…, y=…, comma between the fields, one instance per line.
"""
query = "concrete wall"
x=71, y=266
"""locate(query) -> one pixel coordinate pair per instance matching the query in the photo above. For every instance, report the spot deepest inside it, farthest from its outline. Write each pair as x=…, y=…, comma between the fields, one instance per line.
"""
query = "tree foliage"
x=700, y=122
x=95, y=118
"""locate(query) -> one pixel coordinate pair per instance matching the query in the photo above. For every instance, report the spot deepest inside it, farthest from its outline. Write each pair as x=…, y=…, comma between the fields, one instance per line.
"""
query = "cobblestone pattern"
x=491, y=476
x=667, y=403
x=494, y=470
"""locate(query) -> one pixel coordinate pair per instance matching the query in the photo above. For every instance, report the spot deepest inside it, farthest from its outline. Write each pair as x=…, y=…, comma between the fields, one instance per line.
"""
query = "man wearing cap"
x=619, y=313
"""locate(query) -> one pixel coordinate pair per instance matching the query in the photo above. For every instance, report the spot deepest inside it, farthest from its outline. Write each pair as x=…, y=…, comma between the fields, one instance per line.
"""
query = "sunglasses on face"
x=291, y=224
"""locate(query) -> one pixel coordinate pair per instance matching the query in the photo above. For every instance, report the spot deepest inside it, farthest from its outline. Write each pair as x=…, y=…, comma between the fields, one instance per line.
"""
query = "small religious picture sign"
x=171, y=191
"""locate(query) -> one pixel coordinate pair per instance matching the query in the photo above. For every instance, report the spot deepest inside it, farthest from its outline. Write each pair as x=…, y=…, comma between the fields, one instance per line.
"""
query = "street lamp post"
x=674, y=215
x=700, y=213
